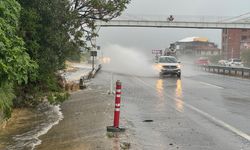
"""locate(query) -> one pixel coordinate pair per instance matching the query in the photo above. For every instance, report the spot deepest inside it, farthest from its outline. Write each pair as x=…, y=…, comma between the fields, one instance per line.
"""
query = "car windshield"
x=167, y=60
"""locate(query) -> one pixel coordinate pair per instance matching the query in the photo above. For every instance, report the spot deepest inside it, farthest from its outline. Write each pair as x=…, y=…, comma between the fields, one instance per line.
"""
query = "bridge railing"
x=232, y=71
x=182, y=18
x=187, y=18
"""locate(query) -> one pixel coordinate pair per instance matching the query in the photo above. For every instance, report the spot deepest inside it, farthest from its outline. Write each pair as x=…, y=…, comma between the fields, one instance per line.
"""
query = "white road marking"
x=214, y=119
x=220, y=122
x=212, y=85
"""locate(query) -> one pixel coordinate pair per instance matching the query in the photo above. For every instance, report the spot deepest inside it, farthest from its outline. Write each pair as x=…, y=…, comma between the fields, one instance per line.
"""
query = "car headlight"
x=158, y=67
x=179, y=66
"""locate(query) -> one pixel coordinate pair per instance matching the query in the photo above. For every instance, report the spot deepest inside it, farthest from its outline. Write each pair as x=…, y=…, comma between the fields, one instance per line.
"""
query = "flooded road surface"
x=200, y=111
x=23, y=130
x=86, y=115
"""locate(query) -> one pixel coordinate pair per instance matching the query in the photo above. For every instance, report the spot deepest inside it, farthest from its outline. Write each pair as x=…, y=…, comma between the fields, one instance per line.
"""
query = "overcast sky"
x=159, y=38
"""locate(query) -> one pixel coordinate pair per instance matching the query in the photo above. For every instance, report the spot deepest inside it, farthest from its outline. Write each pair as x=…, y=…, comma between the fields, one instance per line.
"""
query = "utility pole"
x=93, y=54
x=232, y=53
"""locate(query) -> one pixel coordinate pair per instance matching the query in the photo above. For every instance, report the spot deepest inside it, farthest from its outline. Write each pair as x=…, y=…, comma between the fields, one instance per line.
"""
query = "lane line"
x=220, y=122
x=212, y=85
x=210, y=117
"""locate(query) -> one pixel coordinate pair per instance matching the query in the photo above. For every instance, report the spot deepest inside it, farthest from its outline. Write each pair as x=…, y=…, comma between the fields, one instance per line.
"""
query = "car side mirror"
x=179, y=62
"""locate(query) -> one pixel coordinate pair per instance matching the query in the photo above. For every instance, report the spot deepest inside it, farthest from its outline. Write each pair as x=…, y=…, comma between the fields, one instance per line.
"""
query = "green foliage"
x=15, y=64
x=44, y=28
x=57, y=97
x=50, y=31
x=245, y=56
x=6, y=96
x=86, y=13
x=54, y=30
x=214, y=59
x=84, y=57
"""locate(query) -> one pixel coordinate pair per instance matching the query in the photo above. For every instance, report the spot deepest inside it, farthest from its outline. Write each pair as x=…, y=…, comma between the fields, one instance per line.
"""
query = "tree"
x=44, y=28
x=15, y=64
x=87, y=12
x=245, y=56
x=53, y=30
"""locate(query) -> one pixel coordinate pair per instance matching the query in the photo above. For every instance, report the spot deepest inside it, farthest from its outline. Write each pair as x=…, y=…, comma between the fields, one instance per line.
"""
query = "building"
x=197, y=46
x=234, y=41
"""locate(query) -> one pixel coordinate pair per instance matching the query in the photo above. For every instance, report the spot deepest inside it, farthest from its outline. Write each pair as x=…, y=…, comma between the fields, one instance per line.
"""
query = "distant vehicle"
x=202, y=61
x=223, y=62
x=168, y=65
x=234, y=62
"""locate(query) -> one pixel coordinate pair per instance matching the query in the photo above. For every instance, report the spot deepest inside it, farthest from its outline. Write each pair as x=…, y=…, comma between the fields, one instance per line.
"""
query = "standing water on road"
x=27, y=126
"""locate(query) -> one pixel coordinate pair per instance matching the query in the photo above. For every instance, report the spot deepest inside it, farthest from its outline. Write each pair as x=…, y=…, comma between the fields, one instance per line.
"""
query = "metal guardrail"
x=235, y=71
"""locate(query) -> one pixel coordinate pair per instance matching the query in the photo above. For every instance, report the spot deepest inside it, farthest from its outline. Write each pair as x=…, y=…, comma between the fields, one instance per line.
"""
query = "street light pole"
x=232, y=53
x=227, y=47
x=93, y=63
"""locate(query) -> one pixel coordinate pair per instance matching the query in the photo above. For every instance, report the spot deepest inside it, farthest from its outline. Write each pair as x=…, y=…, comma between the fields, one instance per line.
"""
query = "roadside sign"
x=98, y=47
x=157, y=51
x=93, y=53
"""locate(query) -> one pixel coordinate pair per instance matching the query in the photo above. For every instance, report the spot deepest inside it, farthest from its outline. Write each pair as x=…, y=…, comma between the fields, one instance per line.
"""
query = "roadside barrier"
x=115, y=127
x=117, y=104
x=94, y=71
x=82, y=83
x=235, y=71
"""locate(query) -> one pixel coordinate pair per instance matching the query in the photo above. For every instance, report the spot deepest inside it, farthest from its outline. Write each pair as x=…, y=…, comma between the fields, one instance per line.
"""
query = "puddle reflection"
x=179, y=104
x=159, y=87
x=178, y=96
x=178, y=90
x=160, y=93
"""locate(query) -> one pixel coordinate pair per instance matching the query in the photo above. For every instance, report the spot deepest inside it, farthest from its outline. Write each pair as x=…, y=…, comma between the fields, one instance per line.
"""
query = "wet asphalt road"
x=200, y=111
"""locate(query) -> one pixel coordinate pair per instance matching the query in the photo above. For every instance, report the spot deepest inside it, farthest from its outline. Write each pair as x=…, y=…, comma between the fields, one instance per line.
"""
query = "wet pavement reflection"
x=168, y=85
x=159, y=87
x=178, y=96
x=160, y=94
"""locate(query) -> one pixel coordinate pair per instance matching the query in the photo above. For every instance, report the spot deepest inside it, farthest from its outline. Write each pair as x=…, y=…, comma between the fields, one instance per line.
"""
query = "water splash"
x=128, y=61
x=51, y=115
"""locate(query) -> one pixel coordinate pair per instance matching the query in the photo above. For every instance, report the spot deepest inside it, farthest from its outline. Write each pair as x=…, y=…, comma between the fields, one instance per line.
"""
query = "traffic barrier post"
x=115, y=127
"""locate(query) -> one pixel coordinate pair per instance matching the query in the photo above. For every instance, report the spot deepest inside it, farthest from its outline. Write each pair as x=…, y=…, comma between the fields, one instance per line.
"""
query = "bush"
x=57, y=97
x=6, y=97
x=214, y=59
x=245, y=56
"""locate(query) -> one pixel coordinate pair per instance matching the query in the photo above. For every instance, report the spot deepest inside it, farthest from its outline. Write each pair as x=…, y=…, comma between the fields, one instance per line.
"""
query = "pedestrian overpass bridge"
x=238, y=22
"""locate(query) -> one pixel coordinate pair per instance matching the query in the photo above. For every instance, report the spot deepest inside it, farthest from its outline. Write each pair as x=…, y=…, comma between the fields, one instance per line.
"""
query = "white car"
x=234, y=62
x=223, y=62
x=169, y=65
